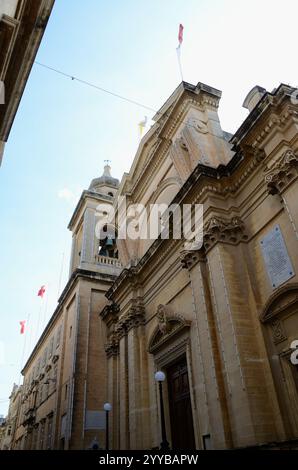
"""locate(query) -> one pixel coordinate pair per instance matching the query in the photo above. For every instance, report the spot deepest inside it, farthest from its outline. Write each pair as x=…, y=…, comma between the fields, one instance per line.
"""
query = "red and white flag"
x=22, y=323
x=178, y=49
x=41, y=291
x=180, y=34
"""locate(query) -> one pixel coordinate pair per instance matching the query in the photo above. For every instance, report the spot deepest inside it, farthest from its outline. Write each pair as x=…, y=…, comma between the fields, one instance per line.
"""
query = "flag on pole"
x=22, y=323
x=180, y=34
x=178, y=49
x=142, y=126
x=41, y=291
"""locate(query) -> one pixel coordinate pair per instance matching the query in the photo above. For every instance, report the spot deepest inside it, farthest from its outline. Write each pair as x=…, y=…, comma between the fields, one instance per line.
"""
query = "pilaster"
x=212, y=404
x=234, y=306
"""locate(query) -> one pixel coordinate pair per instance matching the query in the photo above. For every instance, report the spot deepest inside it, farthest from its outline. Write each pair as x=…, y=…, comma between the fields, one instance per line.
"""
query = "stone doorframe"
x=168, y=343
x=280, y=309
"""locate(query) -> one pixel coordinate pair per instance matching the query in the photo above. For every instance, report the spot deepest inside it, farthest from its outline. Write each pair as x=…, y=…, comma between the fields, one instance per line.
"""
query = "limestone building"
x=22, y=25
x=8, y=425
x=64, y=378
x=218, y=320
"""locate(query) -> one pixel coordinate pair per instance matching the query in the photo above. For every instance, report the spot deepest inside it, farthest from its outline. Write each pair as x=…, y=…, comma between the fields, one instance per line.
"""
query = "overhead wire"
x=115, y=95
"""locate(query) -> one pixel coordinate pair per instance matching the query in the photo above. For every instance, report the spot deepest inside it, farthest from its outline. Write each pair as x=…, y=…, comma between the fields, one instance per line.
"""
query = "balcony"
x=29, y=418
x=105, y=260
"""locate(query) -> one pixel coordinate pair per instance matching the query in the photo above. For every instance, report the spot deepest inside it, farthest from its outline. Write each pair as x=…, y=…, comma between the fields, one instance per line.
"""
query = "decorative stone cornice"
x=191, y=257
x=230, y=231
x=128, y=274
x=256, y=157
x=216, y=230
x=112, y=346
x=110, y=313
x=283, y=173
x=132, y=319
x=276, y=120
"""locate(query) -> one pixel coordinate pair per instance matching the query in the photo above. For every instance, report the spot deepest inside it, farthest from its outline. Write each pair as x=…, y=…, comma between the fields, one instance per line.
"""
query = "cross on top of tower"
x=107, y=168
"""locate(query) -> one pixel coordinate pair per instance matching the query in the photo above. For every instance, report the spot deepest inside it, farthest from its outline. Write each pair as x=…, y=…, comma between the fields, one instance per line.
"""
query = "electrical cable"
x=105, y=90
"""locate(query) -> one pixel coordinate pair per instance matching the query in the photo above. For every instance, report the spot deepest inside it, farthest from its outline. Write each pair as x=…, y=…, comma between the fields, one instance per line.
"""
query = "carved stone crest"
x=169, y=326
x=283, y=172
x=278, y=332
x=163, y=312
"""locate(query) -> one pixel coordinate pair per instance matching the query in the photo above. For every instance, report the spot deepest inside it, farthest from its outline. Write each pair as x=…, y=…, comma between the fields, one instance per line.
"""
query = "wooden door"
x=180, y=406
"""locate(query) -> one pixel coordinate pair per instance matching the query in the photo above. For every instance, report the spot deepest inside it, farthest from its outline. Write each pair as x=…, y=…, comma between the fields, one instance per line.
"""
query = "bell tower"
x=89, y=251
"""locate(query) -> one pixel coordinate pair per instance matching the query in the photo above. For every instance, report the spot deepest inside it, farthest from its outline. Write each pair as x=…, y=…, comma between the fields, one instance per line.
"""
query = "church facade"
x=219, y=320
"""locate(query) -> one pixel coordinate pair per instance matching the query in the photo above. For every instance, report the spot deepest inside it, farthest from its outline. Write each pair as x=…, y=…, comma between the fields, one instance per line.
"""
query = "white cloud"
x=66, y=194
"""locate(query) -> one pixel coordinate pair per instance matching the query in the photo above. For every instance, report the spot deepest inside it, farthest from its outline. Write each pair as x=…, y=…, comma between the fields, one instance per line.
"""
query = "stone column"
x=123, y=393
x=249, y=405
x=113, y=395
x=211, y=394
x=139, y=416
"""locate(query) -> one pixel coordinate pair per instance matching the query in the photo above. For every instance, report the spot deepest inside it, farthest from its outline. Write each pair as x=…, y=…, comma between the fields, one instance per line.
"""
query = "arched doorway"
x=181, y=419
x=280, y=322
x=170, y=346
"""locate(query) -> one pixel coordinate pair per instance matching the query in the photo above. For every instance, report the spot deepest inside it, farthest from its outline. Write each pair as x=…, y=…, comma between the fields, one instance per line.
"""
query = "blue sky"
x=64, y=130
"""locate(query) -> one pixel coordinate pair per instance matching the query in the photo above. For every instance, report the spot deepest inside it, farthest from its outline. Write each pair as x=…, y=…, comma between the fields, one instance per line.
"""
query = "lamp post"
x=160, y=377
x=107, y=407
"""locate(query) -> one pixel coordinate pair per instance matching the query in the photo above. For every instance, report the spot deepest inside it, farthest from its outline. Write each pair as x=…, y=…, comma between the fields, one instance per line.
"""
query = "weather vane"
x=107, y=162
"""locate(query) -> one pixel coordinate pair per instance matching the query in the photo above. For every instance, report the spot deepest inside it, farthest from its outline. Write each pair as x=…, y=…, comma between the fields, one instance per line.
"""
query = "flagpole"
x=178, y=51
x=38, y=323
x=24, y=347
x=46, y=307
x=61, y=273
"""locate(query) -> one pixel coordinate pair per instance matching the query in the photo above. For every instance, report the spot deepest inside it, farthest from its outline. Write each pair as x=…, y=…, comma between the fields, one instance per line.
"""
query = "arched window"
x=108, y=242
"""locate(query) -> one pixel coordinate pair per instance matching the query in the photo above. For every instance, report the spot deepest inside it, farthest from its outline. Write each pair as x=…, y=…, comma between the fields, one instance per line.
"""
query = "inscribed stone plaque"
x=278, y=264
x=95, y=420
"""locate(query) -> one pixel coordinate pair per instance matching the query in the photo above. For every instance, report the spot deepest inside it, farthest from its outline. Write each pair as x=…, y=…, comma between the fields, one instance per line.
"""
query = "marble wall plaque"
x=277, y=261
x=95, y=419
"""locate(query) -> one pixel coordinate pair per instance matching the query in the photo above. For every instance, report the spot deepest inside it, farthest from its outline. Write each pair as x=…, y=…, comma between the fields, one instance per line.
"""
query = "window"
x=58, y=337
x=34, y=437
x=44, y=358
x=107, y=243
x=41, y=434
x=51, y=345
x=54, y=379
x=47, y=387
x=65, y=392
x=50, y=430
x=39, y=395
x=63, y=425
x=38, y=367
x=70, y=331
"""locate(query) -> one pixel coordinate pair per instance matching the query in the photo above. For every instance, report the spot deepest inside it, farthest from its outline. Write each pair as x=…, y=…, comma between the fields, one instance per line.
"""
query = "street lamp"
x=107, y=407
x=160, y=378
